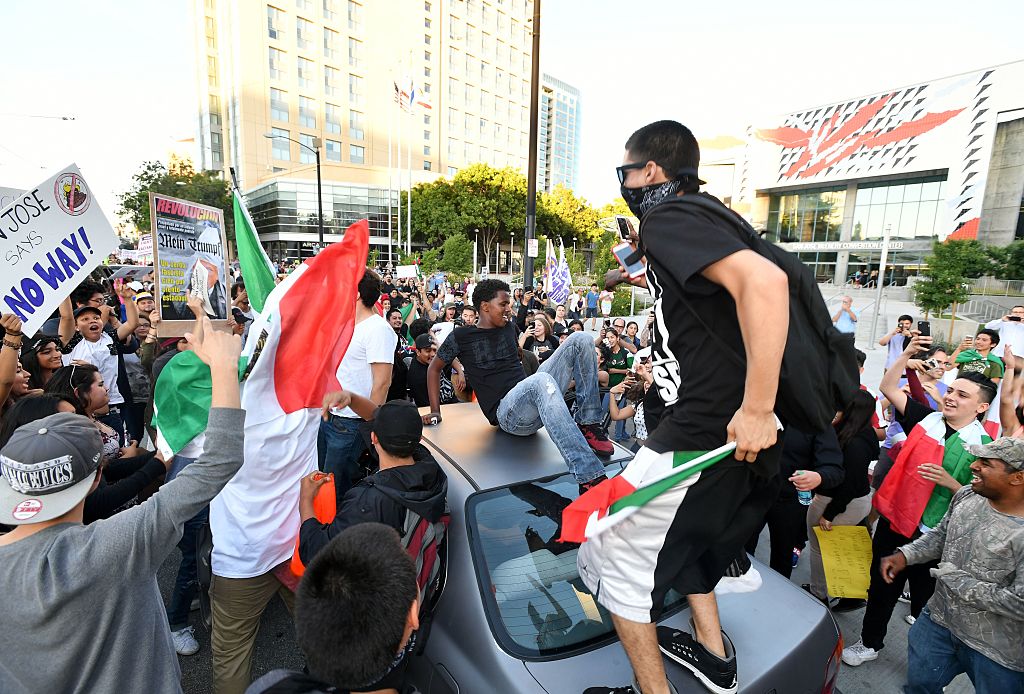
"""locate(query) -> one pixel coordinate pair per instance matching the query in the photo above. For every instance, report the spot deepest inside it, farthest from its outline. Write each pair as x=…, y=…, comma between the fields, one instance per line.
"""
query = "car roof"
x=488, y=457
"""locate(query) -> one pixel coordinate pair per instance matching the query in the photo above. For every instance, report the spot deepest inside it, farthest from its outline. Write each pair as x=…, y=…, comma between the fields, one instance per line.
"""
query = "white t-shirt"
x=606, y=303
x=103, y=355
x=373, y=342
x=1010, y=333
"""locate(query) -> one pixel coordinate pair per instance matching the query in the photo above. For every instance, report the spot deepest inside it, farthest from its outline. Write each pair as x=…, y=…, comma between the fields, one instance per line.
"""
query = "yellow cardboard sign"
x=846, y=555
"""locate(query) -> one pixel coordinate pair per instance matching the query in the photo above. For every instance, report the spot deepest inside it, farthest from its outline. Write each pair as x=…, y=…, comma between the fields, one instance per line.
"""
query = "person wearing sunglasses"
x=701, y=275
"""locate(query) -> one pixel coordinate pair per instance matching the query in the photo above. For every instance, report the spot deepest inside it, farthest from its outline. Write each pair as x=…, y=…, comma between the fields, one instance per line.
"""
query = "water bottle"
x=803, y=496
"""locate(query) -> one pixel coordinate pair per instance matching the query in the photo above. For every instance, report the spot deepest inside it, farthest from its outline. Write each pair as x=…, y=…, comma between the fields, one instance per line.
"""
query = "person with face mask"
x=700, y=273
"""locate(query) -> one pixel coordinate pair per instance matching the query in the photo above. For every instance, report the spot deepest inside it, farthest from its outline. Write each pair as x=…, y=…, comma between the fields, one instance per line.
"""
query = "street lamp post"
x=476, y=236
x=315, y=149
x=531, y=175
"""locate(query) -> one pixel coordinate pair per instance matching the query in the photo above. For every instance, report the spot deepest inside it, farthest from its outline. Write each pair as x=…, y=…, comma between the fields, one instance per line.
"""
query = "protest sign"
x=189, y=250
x=846, y=558
x=406, y=271
x=8, y=195
x=51, y=237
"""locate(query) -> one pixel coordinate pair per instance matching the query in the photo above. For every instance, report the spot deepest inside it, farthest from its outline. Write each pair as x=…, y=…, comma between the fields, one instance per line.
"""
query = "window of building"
x=426, y=150
x=304, y=4
x=427, y=166
x=426, y=134
x=307, y=112
x=471, y=36
x=279, y=105
x=303, y=33
x=333, y=150
x=332, y=118
x=211, y=33
x=217, y=148
x=452, y=171
x=357, y=154
x=330, y=14
x=468, y=152
x=426, y=23
x=307, y=156
x=468, y=123
x=305, y=69
x=453, y=58
x=426, y=39
x=426, y=87
x=426, y=119
x=807, y=216
x=426, y=7
x=330, y=43
x=280, y=147
x=427, y=56
x=211, y=70
x=276, y=64
x=355, y=125
x=453, y=147
x=355, y=89
x=426, y=71
x=332, y=81
x=355, y=16
x=453, y=88
x=215, y=119
x=275, y=23
x=483, y=126
x=909, y=209
x=355, y=52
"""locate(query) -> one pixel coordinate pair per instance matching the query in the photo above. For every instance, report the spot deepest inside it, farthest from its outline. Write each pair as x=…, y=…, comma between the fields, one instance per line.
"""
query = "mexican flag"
x=905, y=498
x=257, y=270
x=619, y=497
x=290, y=360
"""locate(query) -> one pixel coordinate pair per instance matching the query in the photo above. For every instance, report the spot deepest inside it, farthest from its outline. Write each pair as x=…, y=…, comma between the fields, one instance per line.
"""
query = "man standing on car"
x=685, y=538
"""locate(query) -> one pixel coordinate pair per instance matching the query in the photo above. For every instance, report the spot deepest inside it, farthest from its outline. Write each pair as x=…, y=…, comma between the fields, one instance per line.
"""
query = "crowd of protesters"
x=91, y=509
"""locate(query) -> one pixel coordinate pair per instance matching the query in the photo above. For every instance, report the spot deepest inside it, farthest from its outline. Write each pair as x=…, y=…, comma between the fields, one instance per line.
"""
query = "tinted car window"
x=535, y=600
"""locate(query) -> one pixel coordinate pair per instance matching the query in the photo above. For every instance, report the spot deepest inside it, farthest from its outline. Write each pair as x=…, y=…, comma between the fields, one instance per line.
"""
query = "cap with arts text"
x=1007, y=449
x=47, y=467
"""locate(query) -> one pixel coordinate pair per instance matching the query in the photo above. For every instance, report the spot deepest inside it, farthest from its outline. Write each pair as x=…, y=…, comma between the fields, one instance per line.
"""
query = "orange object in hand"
x=325, y=507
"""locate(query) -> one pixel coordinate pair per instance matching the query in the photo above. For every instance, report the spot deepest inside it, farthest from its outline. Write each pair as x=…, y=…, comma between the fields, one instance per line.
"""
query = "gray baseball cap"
x=1009, y=450
x=47, y=467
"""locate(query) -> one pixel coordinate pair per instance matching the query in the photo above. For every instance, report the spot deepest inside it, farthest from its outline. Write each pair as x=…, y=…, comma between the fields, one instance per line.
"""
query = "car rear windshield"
x=534, y=598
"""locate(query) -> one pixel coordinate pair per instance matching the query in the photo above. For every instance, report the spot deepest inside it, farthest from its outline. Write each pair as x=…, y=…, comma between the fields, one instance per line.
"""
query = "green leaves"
x=951, y=264
x=180, y=180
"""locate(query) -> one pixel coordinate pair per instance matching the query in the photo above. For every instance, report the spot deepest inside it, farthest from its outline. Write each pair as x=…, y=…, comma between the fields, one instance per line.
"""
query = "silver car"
x=513, y=615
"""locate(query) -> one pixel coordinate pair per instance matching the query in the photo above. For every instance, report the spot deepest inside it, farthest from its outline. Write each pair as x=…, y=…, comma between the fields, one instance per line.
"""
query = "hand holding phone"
x=631, y=262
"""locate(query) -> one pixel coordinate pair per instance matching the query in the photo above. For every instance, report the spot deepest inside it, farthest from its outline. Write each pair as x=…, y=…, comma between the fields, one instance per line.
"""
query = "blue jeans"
x=538, y=401
x=620, y=426
x=935, y=657
x=186, y=584
x=339, y=445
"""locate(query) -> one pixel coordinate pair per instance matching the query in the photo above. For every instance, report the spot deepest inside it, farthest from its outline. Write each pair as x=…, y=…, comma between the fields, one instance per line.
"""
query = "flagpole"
x=408, y=200
x=399, y=169
x=391, y=117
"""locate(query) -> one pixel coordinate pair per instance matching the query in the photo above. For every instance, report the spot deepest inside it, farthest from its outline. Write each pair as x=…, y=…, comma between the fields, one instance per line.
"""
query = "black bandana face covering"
x=641, y=200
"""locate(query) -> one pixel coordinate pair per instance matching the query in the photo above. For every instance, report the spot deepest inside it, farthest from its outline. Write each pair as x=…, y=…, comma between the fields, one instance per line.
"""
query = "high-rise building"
x=324, y=74
x=558, y=135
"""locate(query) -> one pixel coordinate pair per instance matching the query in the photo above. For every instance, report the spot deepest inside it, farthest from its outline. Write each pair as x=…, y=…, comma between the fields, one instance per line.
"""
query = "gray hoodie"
x=81, y=608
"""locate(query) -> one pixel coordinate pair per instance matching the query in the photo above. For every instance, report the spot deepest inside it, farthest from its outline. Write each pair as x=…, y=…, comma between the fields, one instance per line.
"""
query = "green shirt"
x=616, y=360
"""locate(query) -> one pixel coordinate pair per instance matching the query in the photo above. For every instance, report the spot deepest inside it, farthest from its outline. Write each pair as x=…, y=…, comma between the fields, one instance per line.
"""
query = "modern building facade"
x=919, y=163
x=558, y=135
x=446, y=81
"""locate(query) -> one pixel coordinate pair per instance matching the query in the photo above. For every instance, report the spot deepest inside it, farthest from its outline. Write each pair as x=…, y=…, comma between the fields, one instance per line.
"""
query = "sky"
x=123, y=69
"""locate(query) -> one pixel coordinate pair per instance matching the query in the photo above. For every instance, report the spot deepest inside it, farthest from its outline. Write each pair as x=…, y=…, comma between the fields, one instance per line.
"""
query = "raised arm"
x=66, y=327
x=890, y=385
x=131, y=312
x=9, y=352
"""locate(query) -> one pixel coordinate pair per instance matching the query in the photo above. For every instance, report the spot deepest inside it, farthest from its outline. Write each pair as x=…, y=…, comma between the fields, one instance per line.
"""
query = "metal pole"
x=632, y=300
x=408, y=200
x=391, y=118
x=511, y=252
x=319, y=202
x=881, y=282
x=531, y=175
x=474, y=253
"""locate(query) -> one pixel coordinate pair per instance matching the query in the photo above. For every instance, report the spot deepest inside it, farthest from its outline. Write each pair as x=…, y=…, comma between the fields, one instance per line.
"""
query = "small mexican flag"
x=646, y=477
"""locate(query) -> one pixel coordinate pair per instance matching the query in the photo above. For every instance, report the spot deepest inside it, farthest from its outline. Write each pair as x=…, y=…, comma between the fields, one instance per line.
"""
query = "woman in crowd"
x=13, y=379
x=848, y=502
x=127, y=471
x=616, y=361
x=576, y=326
x=41, y=359
x=539, y=339
x=29, y=410
x=633, y=391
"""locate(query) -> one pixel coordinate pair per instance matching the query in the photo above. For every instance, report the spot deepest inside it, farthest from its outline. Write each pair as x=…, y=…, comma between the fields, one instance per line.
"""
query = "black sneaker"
x=716, y=674
x=631, y=689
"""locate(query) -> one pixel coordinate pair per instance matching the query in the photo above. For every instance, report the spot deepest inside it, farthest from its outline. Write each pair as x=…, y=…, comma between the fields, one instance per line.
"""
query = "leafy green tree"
x=179, y=180
x=457, y=255
x=430, y=261
x=950, y=265
x=563, y=215
x=1008, y=262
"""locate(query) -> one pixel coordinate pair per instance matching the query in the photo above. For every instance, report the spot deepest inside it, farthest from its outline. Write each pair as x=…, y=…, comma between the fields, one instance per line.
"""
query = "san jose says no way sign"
x=51, y=237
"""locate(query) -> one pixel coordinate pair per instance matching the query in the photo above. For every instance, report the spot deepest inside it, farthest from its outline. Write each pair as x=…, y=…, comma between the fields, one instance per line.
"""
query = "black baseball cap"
x=398, y=426
x=239, y=317
x=88, y=307
x=423, y=341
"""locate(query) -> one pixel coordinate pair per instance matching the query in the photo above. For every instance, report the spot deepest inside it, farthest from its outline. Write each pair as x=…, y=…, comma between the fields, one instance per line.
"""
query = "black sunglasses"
x=621, y=170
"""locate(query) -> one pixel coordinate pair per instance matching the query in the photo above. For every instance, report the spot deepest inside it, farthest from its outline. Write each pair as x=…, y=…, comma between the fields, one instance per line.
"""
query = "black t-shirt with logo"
x=702, y=386
x=491, y=359
x=542, y=348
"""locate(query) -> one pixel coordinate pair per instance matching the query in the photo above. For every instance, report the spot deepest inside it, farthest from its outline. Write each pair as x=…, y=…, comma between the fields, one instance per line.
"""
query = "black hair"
x=905, y=316
x=470, y=307
x=369, y=288
x=354, y=599
x=633, y=323
x=394, y=310
x=994, y=334
x=25, y=410
x=856, y=416
x=71, y=383
x=487, y=290
x=861, y=357
x=550, y=313
x=82, y=293
x=419, y=327
x=236, y=288
x=671, y=146
x=987, y=389
x=576, y=321
x=30, y=360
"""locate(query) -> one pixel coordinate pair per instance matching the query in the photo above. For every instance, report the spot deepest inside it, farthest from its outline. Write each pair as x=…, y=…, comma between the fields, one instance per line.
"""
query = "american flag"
x=401, y=97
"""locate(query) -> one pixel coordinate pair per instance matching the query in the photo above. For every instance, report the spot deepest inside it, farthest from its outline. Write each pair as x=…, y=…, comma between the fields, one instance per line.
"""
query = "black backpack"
x=819, y=373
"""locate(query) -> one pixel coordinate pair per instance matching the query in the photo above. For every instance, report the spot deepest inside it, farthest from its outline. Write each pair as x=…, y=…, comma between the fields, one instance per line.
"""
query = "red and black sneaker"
x=587, y=486
x=597, y=439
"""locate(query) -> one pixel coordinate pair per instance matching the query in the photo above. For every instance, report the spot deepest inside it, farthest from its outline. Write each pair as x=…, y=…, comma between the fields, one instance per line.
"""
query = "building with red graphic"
x=938, y=160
